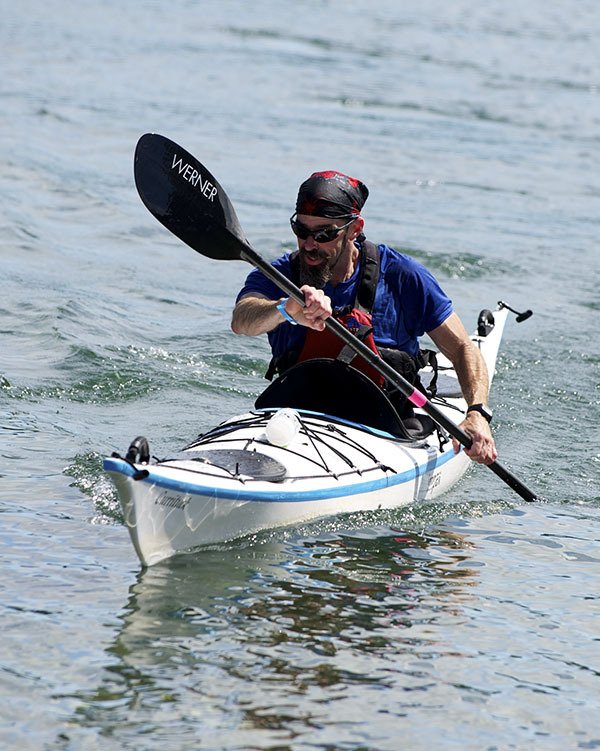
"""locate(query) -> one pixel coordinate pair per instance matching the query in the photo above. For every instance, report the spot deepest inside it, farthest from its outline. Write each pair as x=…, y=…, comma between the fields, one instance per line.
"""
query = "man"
x=330, y=265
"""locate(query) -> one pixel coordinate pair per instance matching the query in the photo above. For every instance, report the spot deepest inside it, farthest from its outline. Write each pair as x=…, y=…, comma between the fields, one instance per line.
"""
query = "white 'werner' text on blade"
x=194, y=177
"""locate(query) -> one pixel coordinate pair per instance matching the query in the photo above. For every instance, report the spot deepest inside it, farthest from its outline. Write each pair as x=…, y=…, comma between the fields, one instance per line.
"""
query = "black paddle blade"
x=183, y=195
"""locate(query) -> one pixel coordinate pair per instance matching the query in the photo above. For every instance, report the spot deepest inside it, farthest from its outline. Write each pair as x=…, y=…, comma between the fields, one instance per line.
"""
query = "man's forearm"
x=472, y=374
x=255, y=315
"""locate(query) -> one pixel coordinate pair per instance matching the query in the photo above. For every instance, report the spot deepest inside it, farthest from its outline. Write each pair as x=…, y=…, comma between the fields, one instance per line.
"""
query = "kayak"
x=309, y=448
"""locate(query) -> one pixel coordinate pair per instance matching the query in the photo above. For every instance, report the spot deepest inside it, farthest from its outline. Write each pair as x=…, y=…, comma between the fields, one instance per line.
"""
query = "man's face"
x=317, y=259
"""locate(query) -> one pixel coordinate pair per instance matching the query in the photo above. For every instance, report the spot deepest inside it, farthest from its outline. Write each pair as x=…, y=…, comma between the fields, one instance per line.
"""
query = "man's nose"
x=310, y=244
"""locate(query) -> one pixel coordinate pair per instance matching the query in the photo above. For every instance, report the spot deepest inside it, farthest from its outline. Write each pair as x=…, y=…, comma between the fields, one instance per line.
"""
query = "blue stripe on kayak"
x=245, y=493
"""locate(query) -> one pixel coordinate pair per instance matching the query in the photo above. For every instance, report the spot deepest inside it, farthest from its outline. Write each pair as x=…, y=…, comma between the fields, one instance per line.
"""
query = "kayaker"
x=335, y=266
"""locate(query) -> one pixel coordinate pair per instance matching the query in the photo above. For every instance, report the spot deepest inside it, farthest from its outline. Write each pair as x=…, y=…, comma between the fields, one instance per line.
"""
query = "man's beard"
x=314, y=276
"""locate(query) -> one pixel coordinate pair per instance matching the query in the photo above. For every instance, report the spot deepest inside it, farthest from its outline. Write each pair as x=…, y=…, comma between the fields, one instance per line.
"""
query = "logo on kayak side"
x=171, y=501
x=434, y=480
x=194, y=177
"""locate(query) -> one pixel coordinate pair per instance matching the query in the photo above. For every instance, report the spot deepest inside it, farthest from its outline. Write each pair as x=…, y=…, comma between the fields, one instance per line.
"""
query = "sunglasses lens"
x=299, y=230
x=326, y=235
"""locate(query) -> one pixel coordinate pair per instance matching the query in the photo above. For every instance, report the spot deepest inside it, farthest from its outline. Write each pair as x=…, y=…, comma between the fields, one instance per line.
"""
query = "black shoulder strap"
x=367, y=285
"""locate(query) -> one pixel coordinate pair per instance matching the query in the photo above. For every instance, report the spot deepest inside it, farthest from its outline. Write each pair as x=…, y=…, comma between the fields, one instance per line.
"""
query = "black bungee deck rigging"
x=317, y=429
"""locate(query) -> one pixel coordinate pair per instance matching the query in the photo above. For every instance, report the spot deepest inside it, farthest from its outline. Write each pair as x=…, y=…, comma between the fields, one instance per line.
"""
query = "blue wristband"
x=285, y=314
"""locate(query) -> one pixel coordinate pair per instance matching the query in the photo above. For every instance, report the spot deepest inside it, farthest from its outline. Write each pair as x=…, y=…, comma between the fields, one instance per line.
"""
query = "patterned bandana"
x=331, y=194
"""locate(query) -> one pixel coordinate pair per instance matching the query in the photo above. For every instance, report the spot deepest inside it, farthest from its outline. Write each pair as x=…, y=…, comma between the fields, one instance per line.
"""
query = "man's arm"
x=254, y=314
x=453, y=341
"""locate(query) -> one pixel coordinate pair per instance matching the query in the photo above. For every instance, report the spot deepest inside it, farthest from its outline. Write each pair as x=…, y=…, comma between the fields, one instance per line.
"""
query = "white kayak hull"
x=165, y=514
x=331, y=467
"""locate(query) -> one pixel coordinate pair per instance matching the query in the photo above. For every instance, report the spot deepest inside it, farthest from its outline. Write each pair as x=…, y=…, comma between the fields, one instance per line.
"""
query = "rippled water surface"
x=469, y=623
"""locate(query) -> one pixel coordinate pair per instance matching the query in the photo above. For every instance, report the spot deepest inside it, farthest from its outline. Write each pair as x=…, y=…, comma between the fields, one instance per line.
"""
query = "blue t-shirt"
x=408, y=302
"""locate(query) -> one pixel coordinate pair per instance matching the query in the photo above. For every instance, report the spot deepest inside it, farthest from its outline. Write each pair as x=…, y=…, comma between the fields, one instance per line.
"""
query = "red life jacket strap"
x=325, y=344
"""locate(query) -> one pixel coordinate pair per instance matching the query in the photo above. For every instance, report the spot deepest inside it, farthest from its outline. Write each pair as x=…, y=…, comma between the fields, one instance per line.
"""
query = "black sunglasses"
x=324, y=235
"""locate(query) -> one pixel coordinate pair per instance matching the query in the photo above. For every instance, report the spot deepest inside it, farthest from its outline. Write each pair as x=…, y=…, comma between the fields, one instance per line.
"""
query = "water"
x=464, y=624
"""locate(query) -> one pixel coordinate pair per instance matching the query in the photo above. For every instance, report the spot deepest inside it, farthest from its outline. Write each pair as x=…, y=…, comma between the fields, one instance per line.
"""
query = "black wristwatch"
x=483, y=409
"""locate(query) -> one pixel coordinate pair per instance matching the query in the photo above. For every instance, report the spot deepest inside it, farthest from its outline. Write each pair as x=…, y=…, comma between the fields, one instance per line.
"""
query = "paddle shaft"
x=416, y=397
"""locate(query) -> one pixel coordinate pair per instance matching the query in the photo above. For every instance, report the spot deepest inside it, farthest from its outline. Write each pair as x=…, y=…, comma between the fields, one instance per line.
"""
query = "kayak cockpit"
x=334, y=388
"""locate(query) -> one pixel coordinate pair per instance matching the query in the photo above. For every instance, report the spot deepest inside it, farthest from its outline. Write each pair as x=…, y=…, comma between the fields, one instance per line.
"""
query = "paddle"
x=183, y=195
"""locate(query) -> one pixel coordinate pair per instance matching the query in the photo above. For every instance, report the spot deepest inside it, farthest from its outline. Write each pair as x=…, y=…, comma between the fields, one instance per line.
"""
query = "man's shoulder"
x=396, y=261
x=282, y=263
x=257, y=282
x=284, y=259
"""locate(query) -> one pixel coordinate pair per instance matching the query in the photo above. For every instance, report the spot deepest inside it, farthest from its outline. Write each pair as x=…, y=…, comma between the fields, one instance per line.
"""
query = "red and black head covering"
x=331, y=194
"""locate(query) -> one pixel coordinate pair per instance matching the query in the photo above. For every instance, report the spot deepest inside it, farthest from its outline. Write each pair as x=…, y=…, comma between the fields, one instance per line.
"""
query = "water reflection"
x=263, y=634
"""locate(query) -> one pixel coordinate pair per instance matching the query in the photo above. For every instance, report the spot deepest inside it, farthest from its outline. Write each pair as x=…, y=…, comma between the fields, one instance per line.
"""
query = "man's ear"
x=357, y=227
